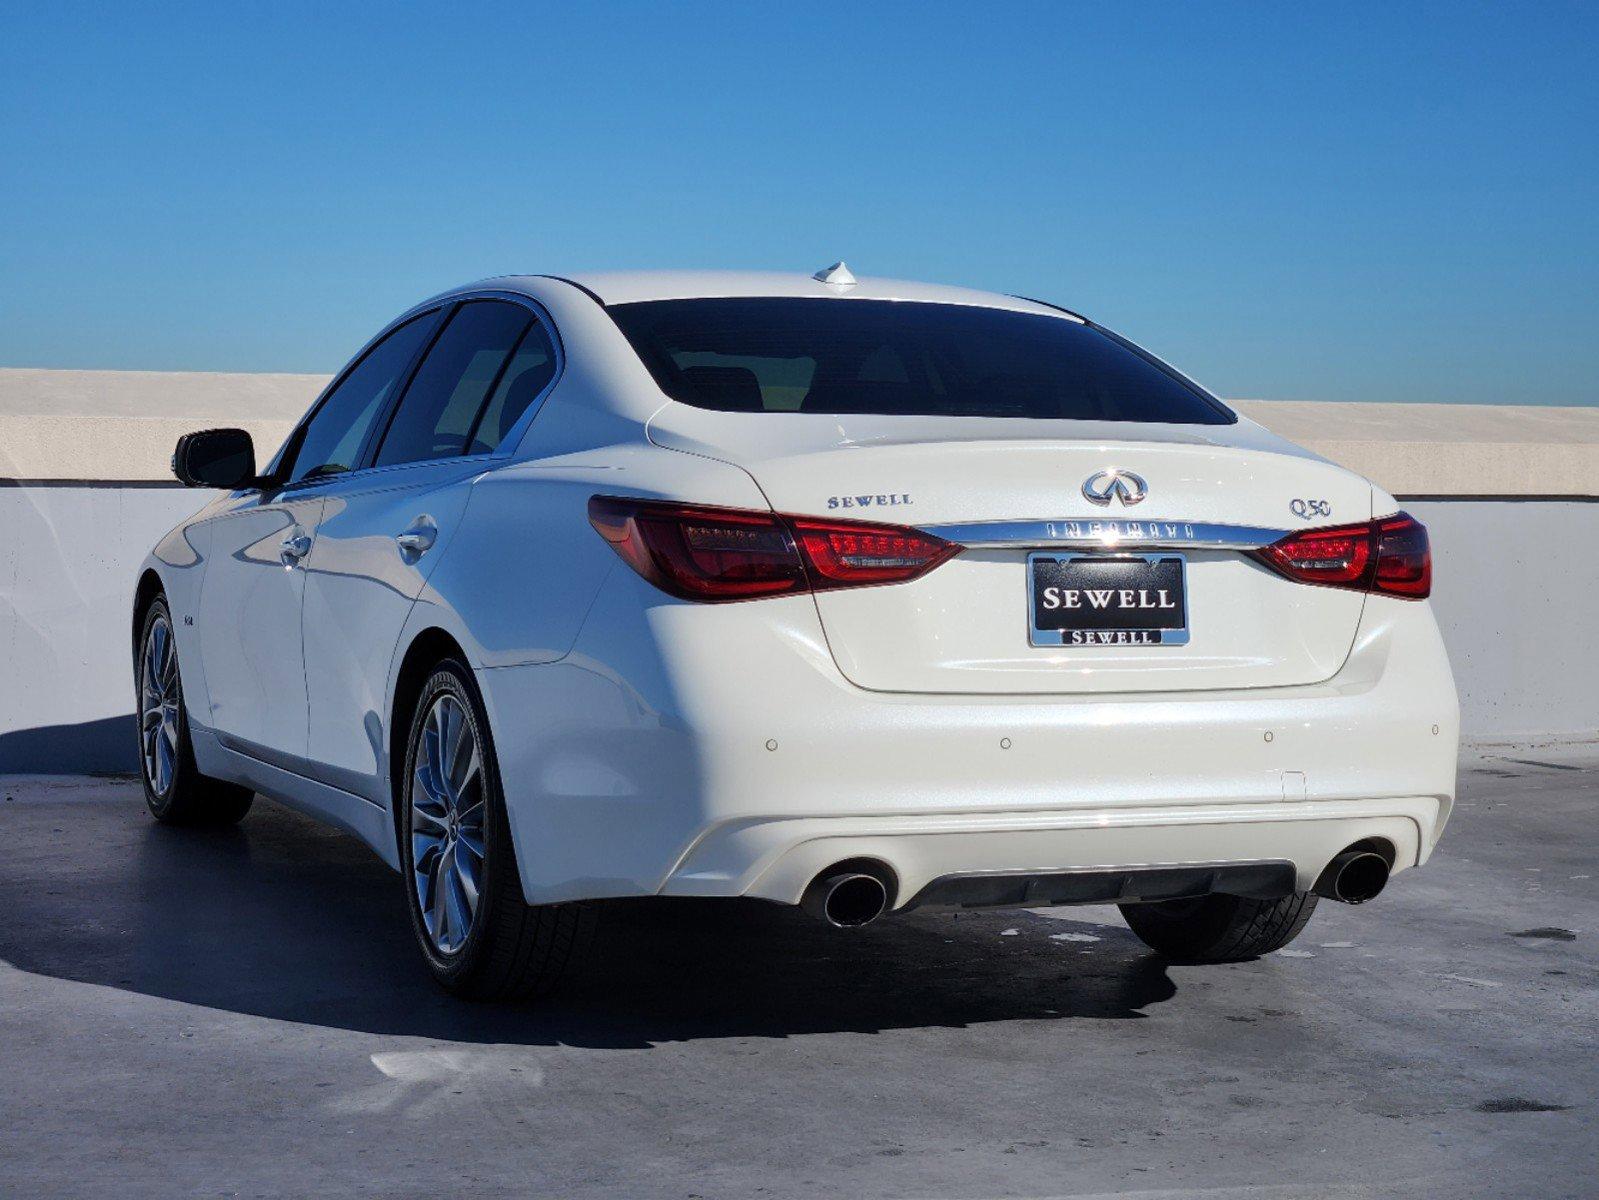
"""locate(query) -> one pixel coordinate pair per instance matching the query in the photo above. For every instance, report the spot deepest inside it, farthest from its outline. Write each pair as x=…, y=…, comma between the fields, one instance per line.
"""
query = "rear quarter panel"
x=525, y=564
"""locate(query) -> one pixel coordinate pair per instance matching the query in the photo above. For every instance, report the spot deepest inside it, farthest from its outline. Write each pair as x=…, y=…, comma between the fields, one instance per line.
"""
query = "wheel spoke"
x=466, y=878
x=455, y=901
x=423, y=861
x=472, y=839
x=433, y=746
x=150, y=674
x=169, y=660
x=158, y=639
x=163, y=762
x=449, y=724
x=466, y=768
x=444, y=931
x=426, y=821
x=427, y=791
x=441, y=725
x=149, y=755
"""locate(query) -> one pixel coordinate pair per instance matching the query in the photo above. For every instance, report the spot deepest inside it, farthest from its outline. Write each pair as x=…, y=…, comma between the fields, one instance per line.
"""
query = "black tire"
x=512, y=950
x=1217, y=929
x=176, y=793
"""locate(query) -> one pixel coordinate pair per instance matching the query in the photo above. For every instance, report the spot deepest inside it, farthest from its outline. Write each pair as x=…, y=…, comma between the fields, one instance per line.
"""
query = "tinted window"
x=531, y=368
x=333, y=437
x=439, y=409
x=899, y=357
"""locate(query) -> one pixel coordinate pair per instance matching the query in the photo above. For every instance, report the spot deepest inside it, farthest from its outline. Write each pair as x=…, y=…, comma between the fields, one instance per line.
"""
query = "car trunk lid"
x=1007, y=489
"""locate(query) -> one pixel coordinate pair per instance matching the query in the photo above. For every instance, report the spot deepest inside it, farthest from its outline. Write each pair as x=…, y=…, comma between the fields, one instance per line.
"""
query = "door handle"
x=418, y=539
x=294, y=547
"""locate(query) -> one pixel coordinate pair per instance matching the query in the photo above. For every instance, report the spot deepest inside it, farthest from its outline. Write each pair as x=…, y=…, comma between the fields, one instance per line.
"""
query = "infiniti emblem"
x=1124, y=485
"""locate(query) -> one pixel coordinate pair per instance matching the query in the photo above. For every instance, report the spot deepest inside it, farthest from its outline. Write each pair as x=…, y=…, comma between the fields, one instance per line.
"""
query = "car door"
x=252, y=595
x=383, y=528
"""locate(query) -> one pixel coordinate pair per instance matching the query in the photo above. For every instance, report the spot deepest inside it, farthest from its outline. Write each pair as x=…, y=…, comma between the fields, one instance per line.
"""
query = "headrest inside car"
x=730, y=389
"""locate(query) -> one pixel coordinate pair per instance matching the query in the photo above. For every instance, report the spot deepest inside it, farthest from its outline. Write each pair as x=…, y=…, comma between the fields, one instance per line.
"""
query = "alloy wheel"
x=447, y=824
x=159, y=698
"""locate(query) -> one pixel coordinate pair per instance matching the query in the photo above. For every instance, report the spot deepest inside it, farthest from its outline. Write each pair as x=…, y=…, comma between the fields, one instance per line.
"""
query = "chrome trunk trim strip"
x=1108, y=534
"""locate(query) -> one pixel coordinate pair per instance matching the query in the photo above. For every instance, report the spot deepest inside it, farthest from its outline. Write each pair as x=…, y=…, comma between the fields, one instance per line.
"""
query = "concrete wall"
x=67, y=569
x=1511, y=497
x=1515, y=589
x=121, y=425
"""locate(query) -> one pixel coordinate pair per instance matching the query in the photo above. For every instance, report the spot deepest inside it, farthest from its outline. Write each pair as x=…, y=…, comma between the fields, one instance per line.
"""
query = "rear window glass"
x=902, y=358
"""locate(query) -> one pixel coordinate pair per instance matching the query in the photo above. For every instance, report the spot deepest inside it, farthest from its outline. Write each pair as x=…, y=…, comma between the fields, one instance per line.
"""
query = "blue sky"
x=1355, y=202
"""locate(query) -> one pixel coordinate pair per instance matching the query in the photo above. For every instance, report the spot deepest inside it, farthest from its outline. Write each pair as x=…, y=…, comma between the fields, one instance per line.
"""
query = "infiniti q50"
x=852, y=594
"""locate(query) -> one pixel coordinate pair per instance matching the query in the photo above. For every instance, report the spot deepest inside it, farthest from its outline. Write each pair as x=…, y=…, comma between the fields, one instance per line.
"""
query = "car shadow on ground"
x=284, y=919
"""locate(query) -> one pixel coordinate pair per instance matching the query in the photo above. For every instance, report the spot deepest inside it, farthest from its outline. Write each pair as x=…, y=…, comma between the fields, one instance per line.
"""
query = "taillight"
x=1390, y=555
x=1404, y=558
x=855, y=553
x=703, y=553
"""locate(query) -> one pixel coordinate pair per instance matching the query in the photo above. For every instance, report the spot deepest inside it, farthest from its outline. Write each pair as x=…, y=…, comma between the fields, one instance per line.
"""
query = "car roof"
x=626, y=287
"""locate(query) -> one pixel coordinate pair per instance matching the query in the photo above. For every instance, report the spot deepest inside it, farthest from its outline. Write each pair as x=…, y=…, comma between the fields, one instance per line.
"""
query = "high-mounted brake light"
x=1390, y=555
x=702, y=553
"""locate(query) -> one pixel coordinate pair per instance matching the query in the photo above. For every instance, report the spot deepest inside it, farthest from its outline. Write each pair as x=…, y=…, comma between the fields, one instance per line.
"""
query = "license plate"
x=1107, y=600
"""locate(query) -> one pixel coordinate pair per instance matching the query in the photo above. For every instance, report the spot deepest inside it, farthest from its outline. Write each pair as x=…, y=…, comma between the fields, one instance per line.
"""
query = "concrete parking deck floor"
x=241, y=1013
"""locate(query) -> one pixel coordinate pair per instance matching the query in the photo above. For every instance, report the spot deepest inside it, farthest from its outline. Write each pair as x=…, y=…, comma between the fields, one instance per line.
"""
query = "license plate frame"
x=1107, y=636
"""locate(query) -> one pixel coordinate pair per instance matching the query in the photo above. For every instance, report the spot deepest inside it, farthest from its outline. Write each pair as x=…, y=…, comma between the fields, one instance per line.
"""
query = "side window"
x=337, y=430
x=437, y=412
x=531, y=368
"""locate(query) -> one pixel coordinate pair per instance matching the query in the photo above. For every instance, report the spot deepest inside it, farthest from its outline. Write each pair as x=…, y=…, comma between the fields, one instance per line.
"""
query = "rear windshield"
x=902, y=358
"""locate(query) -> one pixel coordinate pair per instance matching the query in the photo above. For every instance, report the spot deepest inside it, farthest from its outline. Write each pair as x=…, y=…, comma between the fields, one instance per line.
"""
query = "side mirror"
x=215, y=458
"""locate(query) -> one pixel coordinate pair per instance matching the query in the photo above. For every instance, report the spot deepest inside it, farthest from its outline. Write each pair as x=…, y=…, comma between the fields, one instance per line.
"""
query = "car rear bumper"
x=931, y=856
x=717, y=751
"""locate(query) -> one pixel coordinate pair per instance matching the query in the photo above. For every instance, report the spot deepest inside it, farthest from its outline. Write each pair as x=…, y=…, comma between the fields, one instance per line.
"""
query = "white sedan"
x=860, y=595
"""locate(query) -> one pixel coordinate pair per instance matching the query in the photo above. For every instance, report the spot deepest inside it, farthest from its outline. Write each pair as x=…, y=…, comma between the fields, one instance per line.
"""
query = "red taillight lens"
x=1339, y=555
x=1389, y=555
x=1404, y=558
x=854, y=553
x=702, y=553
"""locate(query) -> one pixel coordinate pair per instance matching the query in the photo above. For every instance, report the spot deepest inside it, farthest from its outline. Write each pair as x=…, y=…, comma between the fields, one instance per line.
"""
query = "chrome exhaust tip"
x=1354, y=877
x=846, y=899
